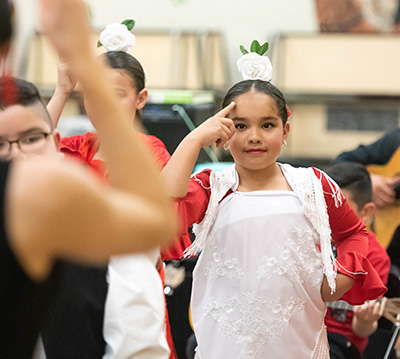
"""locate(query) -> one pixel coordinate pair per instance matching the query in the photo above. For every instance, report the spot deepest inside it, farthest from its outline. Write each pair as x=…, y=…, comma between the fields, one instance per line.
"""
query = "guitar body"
x=385, y=224
x=387, y=219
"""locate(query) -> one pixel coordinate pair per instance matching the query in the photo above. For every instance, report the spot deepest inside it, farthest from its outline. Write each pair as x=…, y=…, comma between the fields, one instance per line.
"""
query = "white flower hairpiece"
x=118, y=37
x=253, y=65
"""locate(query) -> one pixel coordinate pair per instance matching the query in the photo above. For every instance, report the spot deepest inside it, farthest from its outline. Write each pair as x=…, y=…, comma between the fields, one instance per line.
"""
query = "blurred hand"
x=66, y=82
x=365, y=320
x=66, y=24
x=368, y=312
x=382, y=190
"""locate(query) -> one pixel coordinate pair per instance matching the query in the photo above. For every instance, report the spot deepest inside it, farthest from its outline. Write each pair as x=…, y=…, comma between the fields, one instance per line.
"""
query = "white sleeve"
x=134, y=318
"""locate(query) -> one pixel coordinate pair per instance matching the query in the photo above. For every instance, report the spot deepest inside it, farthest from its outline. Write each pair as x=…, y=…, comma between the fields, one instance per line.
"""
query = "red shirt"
x=380, y=260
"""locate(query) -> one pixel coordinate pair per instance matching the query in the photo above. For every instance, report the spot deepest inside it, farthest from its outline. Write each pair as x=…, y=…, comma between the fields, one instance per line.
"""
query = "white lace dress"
x=256, y=288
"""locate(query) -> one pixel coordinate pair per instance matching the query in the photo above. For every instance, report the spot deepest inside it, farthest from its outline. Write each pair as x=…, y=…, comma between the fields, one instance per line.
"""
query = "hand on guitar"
x=383, y=193
x=365, y=320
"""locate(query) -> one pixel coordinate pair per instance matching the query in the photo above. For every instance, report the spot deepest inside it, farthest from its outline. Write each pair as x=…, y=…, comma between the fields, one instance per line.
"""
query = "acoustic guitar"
x=387, y=219
x=389, y=308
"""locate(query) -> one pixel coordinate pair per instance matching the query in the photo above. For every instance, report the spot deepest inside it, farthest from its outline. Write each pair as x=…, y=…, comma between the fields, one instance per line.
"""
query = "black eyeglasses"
x=32, y=143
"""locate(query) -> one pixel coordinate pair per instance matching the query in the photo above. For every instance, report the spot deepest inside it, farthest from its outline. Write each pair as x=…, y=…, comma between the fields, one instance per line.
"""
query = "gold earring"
x=284, y=145
x=226, y=146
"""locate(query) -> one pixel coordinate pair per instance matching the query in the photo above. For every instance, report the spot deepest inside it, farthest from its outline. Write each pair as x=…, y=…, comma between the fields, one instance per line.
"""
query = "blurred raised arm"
x=65, y=85
x=62, y=210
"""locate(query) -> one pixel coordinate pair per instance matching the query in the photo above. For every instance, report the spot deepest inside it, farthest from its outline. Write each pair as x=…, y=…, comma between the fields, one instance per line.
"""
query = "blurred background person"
x=349, y=329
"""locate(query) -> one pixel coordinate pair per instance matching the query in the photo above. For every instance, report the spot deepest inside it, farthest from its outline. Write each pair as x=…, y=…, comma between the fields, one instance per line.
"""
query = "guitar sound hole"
x=339, y=314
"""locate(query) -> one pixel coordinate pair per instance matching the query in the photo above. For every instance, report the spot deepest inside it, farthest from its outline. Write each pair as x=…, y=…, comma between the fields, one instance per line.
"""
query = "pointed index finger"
x=224, y=112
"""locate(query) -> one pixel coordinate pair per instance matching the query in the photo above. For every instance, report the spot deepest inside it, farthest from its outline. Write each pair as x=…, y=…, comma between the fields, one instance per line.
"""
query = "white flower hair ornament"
x=118, y=37
x=254, y=65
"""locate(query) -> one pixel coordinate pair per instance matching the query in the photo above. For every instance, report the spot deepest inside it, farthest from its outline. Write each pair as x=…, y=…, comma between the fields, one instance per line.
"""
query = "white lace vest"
x=304, y=183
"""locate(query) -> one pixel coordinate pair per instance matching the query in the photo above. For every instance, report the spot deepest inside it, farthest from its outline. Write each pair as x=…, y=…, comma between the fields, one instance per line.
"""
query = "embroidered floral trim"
x=221, y=268
x=288, y=263
x=241, y=318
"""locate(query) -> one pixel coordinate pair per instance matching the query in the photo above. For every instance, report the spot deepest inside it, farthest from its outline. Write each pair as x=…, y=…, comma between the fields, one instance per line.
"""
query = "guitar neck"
x=341, y=304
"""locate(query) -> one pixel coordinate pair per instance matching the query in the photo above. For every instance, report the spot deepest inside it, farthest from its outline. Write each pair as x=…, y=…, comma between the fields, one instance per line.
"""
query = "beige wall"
x=304, y=67
x=338, y=64
x=239, y=21
x=310, y=137
x=318, y=70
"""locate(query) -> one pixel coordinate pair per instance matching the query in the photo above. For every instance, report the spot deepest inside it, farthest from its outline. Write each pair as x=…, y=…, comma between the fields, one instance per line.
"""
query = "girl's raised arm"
x=217, y=129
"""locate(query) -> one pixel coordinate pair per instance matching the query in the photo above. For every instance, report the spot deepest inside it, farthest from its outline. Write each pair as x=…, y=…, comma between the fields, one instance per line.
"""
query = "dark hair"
x=354, y=178
x=128, y=63
x=265, y=87
x=26, y=94
x=5, y=22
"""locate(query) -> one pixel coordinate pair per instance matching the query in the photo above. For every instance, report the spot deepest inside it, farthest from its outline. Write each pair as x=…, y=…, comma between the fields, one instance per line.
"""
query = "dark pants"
x=341, y=348
x=378, y=344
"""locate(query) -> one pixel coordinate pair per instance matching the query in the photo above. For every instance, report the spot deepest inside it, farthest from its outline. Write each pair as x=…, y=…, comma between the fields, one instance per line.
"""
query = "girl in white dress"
x=266, y=267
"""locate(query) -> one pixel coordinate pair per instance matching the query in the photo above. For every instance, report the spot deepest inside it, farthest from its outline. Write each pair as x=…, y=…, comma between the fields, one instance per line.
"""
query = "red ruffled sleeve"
x=367, y=286
x=83, y=148
x=350, y=238
x=192, y=208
